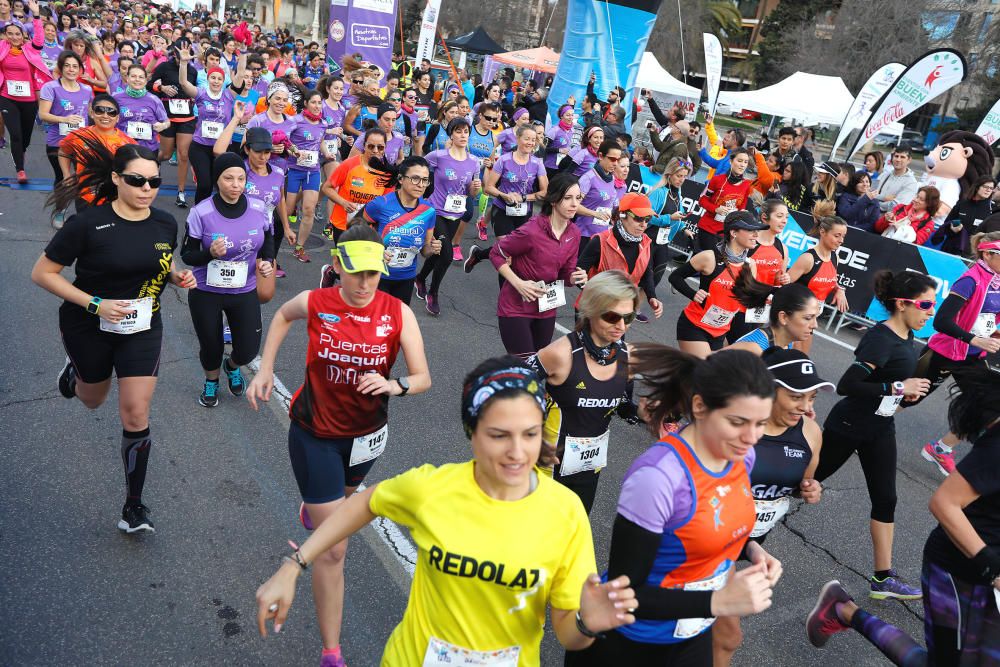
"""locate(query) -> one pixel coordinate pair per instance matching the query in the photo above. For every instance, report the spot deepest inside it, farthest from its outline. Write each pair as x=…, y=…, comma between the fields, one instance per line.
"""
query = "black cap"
x=743, y=220
x=793, y=370
x=259, y=139
x=830, y=168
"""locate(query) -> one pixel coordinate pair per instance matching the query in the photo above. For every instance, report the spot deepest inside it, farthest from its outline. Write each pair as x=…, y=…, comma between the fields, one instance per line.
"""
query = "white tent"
x=653, y=77
x=809, y=98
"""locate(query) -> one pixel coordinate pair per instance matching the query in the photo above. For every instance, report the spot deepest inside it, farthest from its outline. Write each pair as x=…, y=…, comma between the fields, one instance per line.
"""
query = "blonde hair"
x=674, y=166
x=602, y=292
x=982, y=237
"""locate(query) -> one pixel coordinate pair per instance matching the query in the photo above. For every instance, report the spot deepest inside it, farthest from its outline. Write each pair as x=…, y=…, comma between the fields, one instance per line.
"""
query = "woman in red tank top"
x=770, y=255
x=339, y=415
x=817, y=267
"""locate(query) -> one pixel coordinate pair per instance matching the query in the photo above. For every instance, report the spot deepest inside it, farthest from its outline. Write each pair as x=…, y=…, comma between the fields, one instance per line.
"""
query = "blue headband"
x=479, y=392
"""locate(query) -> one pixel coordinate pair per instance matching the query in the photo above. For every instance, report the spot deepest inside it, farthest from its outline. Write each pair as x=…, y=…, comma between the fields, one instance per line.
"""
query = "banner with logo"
x=873, y=89
x=989, y=129
x=927, y=77
x=366, y=27
x=428, y=28
x=713, y=69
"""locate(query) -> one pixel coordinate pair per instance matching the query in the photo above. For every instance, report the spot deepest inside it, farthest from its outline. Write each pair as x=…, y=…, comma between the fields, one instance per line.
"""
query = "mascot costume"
x=959, y=159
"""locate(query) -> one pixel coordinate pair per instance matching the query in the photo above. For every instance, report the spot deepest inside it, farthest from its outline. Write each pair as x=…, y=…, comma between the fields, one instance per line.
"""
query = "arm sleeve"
x=923, y=231
x=707, y=158
x=678, y=280
x=944, y=320
x=591, y=256
x=193, y=252
x=646, y=282
x=654, y=109
x=713, y=136
x=706, y=200
x=764, y=175
x=881, y=224
x=854, y=383
x=515, y=243
x=267, y=248
x=576, y=565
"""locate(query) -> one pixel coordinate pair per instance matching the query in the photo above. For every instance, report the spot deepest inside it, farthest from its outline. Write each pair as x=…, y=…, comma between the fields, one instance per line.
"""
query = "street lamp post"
x=315, y=22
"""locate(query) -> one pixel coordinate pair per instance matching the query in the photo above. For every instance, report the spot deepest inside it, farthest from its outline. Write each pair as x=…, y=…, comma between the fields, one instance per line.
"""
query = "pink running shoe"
x=481, y=227
x=456, y=254
x=944, y=462
x=823, y=621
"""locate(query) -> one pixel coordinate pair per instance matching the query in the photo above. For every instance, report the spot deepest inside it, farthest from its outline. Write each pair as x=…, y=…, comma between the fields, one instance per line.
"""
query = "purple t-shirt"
x=451, y=177
x=307, y=136
x=64, y=103
x=393, y=147
x=286, y=126
x=146, y=109
x=656, y=494
x=266, y=188
x=333, y=118
x=244, y=238
x=507, y=140
x=515, y=177
x=50, y=54
x=212, y=110
x=597, y=194
x=558, y=139
x=584, y=158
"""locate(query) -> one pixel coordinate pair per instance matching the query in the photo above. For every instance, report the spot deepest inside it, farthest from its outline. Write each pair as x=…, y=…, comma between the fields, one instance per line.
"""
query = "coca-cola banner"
x=927, y=77
x=989, y=129
x=873, y=89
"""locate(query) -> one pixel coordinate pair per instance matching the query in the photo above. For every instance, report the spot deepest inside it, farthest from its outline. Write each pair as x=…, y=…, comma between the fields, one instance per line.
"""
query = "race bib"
x=137, y=130
x=560, y=157
x=454, y=204
x=662, y=235
x=134, y=322
x=769, y=513
x=759, y=315
x=888, y=406
x=584, y=454
x=330, y=146
x=66, y=128
x=442, y=654
x=18, y=88
x=555, y=296
x=307, y=158
x=717, y=318
x=179, y=106
x=240, y=130
x=227, y=275
x=211, y=129
x=401, y=258
x=691, y=627
x=517, y=210
x=368, y=447
x=985, y=326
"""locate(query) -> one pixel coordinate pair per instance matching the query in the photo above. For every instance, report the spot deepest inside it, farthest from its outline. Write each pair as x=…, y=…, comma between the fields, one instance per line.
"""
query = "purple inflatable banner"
x=361, y=26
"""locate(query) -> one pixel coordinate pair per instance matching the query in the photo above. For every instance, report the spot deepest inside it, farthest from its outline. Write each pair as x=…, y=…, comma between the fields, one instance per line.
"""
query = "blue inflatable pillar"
x=608, y=39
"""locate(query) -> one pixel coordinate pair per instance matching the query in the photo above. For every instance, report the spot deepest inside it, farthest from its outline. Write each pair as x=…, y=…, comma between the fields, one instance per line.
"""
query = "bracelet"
x=296, y=557
x=584, y=630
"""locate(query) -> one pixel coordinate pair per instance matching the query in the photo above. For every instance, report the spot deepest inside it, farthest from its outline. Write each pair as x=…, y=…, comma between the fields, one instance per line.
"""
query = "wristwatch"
x=897, y=388
x=404, y=384
x=94, y=305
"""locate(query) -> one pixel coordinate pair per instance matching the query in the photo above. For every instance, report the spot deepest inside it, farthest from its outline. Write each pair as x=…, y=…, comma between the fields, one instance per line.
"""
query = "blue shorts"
x=299, y=179
x=322, y=465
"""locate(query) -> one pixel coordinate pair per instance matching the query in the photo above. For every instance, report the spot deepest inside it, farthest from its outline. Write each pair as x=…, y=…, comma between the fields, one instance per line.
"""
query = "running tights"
x=243, y=315
x=661, y=254
x=615, y=649
x=877, y=454
x=201, y=158
x=135, y=458
x=19, y=119
x=52, y=153
x=524, y=336
x=444, y=230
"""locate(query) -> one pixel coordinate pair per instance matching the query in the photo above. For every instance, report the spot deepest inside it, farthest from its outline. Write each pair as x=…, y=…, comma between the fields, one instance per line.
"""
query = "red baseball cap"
x=637, y=204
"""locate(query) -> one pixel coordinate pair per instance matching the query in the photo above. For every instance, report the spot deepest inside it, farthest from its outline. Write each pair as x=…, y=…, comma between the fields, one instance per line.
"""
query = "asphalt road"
x=76, y=591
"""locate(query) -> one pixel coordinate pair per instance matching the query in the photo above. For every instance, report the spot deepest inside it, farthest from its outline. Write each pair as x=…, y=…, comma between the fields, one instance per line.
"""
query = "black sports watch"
x=94, y=305
x=404, y=384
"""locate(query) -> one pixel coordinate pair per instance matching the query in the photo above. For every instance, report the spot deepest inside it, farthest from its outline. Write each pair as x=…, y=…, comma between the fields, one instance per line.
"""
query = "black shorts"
x=689, y=332
x=322, y=465
x=187, y=127
x=504, y=224
x=95, y=353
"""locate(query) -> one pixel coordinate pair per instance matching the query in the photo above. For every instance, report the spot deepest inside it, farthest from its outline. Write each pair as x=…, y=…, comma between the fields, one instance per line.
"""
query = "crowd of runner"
x=401, y=163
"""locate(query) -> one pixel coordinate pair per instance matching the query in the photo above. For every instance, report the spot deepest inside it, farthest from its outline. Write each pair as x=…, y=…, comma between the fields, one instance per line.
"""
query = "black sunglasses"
x=137, y=181
x=612, y=317
x=105, y=111
x=490, y=119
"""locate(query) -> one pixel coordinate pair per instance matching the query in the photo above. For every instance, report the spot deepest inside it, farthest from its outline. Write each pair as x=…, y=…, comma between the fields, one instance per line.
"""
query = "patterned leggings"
x=961, y=626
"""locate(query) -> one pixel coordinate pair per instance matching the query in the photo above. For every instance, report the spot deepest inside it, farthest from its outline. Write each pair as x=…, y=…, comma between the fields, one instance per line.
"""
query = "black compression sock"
x=882, y=575
x=135, y=457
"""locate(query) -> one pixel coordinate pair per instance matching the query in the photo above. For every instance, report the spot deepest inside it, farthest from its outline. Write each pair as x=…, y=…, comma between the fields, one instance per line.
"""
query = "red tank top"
x=822, y=279
x=770, y=262
x=715, y=314
x=345, y=343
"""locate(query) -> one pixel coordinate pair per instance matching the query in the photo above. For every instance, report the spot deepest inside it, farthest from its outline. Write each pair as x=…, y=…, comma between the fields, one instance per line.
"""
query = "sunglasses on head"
x=613, y=317
x=137, y=181
x=105, y=111
x=922, y=304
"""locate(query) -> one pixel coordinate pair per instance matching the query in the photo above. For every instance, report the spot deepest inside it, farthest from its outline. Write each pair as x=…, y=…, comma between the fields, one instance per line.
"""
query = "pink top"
x=149, y=55
x=17, y=69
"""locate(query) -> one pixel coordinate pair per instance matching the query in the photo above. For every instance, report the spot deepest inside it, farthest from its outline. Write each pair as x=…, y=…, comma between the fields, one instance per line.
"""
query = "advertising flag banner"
x=428, y=28
x=366, y=27
x=989, y=129
x=713, y=69
x=873, y=89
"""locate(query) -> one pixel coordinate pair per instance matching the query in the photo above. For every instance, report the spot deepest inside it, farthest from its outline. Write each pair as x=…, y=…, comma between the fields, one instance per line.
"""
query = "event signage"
x=989, y=129
x=713, y=69
x=927, y=77
x=428, y=28
x=364, y=27
x=874, y=88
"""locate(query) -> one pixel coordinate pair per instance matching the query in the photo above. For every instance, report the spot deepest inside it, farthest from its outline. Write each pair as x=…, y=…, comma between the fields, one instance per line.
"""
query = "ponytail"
x=750, y=292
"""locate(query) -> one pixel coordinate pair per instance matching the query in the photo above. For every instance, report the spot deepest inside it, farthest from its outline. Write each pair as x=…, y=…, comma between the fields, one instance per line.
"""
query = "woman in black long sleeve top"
x=964, y=219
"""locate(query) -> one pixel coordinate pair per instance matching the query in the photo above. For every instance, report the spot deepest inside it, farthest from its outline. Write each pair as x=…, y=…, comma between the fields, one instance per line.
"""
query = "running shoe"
x=67, y=380
x=173, y=159
x=58, y=219
x=304, y=517
x=227, y=334
x=331, y=660
x=481, y=228
x=135, y=518
x=210, y=394
x=327, y=276
x=823, y=621
x=641, y=317
x=456, y=254
x=475, y=256
x=22, y=177
x=328, y=233
x=293, y=219
x=893, y=587
x=300, y=254
x=278, y=271
x=181, y=200
x=237, y=383
x=420, y=285
x=432, y=304
x=945, y=461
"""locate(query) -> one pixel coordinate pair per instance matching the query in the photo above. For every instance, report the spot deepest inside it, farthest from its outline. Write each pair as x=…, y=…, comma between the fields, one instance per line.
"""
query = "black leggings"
x=201, y=158
x=444, y=230
x=52, y=153
x=19, y=118
x=401, y=289
x=877, y=454
x=583, y=484
x=524, y=336
x=243, y=314
x=616, y=649
x=938, y=368
x=279, y=231
x=660, y=255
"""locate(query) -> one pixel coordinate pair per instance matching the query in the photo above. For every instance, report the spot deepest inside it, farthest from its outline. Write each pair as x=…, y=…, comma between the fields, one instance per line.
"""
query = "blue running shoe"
x=210, y=394
x=893, y=587
x=237, y=383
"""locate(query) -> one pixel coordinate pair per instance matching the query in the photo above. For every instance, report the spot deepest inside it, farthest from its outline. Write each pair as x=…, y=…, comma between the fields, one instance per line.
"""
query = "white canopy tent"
x=809, y=98
x=653, y=77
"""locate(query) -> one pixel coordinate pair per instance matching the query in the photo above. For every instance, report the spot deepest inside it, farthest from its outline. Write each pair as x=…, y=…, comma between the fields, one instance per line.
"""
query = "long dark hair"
x=975, y=404
x=558, y=187
x=675, y=377
x=399, y=171
x=98, y=163
x=903, y=284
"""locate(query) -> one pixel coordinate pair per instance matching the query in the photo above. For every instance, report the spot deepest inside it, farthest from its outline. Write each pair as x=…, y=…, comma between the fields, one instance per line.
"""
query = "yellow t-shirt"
x=487, y=569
